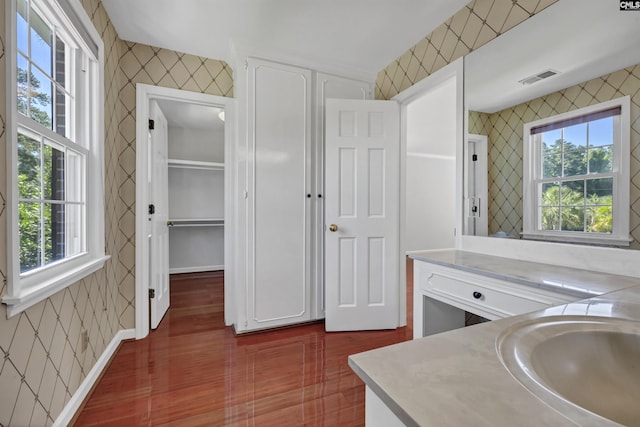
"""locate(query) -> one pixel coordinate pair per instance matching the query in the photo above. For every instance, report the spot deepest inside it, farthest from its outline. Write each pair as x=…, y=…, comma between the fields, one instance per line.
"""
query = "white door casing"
x=159, y=231
x=476, y=185
x=362, y=200
x=144, y=95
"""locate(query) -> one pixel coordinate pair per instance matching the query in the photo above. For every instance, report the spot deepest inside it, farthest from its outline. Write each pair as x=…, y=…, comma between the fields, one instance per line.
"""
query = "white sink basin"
x=586, y=367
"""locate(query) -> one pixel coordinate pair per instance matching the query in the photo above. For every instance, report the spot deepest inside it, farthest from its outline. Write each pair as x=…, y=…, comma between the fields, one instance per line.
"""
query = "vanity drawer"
x=484, y=296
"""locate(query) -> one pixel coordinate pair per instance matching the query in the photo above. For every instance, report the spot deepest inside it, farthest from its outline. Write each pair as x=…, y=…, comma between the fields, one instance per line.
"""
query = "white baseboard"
x=81, y=393
x=199, y=269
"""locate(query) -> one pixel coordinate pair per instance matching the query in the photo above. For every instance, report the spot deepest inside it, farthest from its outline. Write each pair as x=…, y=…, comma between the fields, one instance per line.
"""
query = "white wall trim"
x=404, y=98
x=422, y=251
x=145, y=93
x=431, y=156
x=196, y=269
x=594, y=258
x=69, y=411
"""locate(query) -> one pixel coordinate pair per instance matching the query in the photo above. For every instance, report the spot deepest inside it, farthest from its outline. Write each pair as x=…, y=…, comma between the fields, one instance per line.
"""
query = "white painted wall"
x=431, y=169
x=205, y=145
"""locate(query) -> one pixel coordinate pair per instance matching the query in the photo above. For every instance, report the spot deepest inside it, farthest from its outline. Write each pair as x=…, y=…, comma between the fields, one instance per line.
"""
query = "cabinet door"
x=279, y=194
x=327, y=87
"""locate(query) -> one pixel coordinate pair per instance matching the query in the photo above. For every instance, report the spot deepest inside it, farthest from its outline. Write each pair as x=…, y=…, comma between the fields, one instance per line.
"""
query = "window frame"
x=532, y=171
x=29, y=288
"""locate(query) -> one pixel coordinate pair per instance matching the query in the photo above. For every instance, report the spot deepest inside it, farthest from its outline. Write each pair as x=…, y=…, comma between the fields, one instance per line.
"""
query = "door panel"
x=159, y=236
x=362, y=200
x=327, y=86
x=279, y=195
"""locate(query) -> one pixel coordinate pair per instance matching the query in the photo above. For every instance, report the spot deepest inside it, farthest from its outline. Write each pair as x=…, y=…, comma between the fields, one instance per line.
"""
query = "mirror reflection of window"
x=576, y=175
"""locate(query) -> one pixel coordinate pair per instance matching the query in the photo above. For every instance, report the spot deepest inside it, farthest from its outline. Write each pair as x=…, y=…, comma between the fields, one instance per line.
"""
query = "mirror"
x=573, y=54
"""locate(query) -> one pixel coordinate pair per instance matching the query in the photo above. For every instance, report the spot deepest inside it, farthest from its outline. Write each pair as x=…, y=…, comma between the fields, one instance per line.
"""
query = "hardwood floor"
x=193, y=371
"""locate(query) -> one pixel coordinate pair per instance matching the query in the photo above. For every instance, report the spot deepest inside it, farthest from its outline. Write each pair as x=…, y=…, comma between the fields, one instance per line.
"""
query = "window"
x=576, y=177
x=56, y=198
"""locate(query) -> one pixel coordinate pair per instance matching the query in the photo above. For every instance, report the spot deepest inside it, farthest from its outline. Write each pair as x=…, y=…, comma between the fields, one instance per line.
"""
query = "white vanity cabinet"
x=285, y=186
x=443, y=294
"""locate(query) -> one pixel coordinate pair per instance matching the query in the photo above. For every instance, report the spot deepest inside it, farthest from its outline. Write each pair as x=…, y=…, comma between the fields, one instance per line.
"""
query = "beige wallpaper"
x=41, y=362
x=471, y=27
x=151, y=65
x=505, y=127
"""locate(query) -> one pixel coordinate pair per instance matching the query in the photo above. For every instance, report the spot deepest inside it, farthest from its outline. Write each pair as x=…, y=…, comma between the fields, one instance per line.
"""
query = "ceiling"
x=580, y=39
x=353, y=37
x=191, y=116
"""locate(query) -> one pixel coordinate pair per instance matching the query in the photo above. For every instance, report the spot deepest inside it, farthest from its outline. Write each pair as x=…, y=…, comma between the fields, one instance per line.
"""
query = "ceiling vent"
x=536, y=78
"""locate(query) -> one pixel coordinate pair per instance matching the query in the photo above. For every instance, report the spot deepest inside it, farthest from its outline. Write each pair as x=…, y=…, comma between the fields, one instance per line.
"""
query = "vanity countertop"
x=565, y=280
x=457, y=378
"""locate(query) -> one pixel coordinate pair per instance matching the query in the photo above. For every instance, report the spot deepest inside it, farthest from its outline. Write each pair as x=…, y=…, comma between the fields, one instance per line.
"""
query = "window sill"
x=612, y=241
x=22, y=301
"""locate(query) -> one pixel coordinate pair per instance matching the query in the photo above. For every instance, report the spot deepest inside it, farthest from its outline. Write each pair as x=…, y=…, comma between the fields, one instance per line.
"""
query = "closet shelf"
x=193, y=164
x=205, y=222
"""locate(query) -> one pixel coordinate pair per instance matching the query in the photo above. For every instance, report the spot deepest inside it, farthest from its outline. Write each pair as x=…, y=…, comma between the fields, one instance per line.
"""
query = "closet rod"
x=196, y=223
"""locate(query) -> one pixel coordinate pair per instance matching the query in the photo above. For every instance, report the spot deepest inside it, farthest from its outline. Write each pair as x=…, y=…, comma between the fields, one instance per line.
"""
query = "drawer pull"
x=477, y=295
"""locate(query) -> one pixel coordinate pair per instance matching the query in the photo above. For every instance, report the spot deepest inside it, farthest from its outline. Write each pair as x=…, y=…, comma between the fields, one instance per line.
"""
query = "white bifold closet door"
x=279, y=195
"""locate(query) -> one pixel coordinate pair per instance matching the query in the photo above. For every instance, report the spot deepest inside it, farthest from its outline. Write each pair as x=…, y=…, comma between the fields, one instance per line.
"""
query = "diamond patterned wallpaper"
x=151, y=65
x=471, y=27
x=504, y=129
x=41, y=359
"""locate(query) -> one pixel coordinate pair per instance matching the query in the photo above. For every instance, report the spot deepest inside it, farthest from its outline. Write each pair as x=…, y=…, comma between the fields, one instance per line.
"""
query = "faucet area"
x=560, y=291
x=569, y=364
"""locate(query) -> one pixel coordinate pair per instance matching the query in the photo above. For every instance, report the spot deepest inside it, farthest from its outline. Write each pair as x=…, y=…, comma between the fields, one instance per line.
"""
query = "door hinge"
x=152, y=124
x=152, y=293
x=246, y=194
x=152, y=209
x=474, y=158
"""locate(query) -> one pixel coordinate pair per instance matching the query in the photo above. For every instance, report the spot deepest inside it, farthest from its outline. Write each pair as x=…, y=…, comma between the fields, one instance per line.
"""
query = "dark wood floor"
x=193, y=371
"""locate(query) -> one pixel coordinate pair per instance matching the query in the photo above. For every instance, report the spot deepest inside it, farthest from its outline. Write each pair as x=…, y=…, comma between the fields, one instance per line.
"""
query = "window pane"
x=601, y=159
x=575, y=137
x=552, y=153
x=600, y=219
x=575, y=160
x=550, y=194
x=601, y=132
x=60, y=67
x=29, y=230
x=75, y=167
x=61, y=112
x=550, y=218
x=41, y=43
x=54, y=174
x=552, y=138
x=41, y=109
x=572, y=193
x=573, y=218
x=75, y=226
x=54, y=232
x=22, y=27
x=600, y=191
x=28, y=168
x=22, y=84
x=552, y=161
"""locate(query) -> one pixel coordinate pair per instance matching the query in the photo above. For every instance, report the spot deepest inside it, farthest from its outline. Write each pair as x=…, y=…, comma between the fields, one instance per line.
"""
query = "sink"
x=586, y=367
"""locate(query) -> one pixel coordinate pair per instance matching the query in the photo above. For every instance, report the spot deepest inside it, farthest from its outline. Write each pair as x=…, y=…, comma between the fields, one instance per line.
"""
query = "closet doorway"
x=182, y=186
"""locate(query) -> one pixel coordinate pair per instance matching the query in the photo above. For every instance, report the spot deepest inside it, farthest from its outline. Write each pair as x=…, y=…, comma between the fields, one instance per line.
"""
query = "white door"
x=327, y=87
x=362, y=214
x=158, y=215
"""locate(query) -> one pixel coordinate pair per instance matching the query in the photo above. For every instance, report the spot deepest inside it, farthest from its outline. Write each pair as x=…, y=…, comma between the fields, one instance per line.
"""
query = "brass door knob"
x=333, y=227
